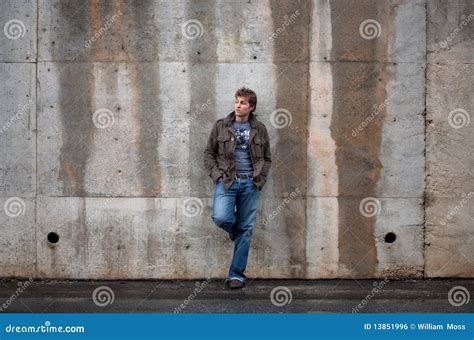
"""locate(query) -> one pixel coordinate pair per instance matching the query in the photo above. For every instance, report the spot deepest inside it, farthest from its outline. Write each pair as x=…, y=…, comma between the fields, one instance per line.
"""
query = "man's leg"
x=223, y=207
x=247, y=204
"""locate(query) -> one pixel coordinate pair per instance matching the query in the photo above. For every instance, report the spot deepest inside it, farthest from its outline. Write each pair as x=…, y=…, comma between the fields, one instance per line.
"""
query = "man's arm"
x=267, y=156
x=210, y=155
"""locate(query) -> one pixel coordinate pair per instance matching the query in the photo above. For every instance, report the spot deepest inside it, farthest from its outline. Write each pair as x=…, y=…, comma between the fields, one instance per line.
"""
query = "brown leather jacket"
x=219, y=157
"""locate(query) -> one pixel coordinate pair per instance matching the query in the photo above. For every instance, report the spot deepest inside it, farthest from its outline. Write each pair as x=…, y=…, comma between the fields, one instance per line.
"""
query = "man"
x=237, y=157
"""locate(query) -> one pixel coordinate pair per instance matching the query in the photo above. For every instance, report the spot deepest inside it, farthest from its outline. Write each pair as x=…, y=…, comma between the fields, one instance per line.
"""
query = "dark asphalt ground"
x=201, y=296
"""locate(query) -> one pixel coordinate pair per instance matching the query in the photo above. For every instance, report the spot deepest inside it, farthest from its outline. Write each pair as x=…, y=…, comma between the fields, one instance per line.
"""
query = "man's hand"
x=210, y=154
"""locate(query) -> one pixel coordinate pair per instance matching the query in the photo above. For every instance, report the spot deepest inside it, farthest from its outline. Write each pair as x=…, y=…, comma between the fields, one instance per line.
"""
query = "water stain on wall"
x=147, y=110
x=202, y=73
x=76, y=88
x=77, y=110
x=289, y=155
x=357, y=88
x=147, y=100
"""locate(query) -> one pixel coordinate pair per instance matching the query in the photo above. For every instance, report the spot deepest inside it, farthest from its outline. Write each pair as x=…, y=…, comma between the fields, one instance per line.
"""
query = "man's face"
x=242, y=107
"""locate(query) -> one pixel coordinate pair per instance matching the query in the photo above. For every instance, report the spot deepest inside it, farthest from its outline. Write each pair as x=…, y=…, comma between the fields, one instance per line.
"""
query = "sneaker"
x=235, y=284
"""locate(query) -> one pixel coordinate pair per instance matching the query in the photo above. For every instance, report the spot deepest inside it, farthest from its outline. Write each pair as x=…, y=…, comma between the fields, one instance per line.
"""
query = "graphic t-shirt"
x=242, y=148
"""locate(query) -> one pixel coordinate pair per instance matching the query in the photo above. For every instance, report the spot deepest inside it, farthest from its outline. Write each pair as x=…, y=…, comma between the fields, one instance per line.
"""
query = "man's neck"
x=242, y=119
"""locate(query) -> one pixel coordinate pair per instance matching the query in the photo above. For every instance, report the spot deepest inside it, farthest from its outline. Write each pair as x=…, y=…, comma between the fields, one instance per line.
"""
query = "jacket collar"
x=231, y=118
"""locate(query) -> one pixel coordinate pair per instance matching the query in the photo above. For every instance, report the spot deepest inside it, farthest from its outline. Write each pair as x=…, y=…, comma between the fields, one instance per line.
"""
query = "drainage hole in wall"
x=53, y=237
x=390, y=237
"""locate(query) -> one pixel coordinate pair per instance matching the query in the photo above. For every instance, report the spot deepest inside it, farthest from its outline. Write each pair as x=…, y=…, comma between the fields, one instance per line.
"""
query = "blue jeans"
x=237, y=208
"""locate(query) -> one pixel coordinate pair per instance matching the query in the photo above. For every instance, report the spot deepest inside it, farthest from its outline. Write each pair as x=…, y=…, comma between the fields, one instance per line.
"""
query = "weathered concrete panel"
x=322, y=252
x=279, y=241
x=100, y=127
x=450, y=31
x=449, y=139
x=366, y=138
x=450, y=134
x=17, y=130
x=18, y=241
x=129, y=238
x=404, y=218
x=397, y=117
x=449, y=236
x=403, y=257
x=171, y=31
x=18, y=31
x=161, y=238
x=368, y=30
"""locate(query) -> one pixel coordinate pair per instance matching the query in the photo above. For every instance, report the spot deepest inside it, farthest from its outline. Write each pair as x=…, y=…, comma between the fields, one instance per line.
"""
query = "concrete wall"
x=107, y=106
x=449, y=139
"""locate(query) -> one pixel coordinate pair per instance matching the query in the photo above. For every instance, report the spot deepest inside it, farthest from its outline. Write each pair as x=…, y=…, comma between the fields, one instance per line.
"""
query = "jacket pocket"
x=222, y=164
x=257, y=147
x=223, y=137
x=223, y=141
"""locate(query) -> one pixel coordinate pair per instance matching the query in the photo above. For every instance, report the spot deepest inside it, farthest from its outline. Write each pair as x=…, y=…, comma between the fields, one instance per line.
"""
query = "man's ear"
x=252, y=107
